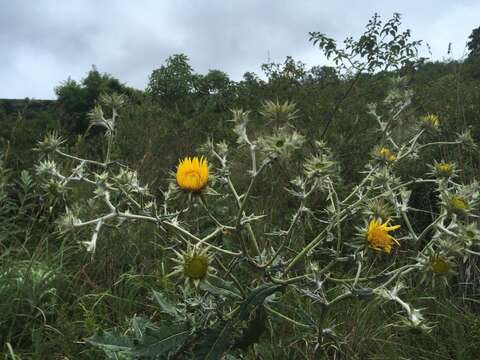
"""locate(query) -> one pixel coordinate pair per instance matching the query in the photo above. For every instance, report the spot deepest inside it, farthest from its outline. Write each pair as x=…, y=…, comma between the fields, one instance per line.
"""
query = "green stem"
x=398, y=273
x=472, y=252
x=440, y=143
x=233, y=277
x=339, y=298
x=200, y=241
x=285, y=317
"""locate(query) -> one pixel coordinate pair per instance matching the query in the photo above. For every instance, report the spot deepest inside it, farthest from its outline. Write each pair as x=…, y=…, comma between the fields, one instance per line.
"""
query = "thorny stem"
x=306, y=249
x=288, y=236
x=95, y=221
x=211, y=216
x=414, y=142
x=339, y=298
x=200, y=241
x=398, y=273
x=109, y=148
x=234, y=191
x=336, y=209
x=233, y=277
x=402, y=211
x=382, y=274
x=209, y=236
x=79, y=159
x=248, y=226
x=110, y=135
x=357, y=188
x=318, y=239
x=291, y=280
x=359, y=270
x=472, y=252
x=242, y=202
x=285, y=317
x=427, y=229
x=440, y=143
x=93, y=242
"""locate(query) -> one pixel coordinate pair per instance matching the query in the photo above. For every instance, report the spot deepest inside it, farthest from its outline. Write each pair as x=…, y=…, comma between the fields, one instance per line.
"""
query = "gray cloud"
x=44, y=42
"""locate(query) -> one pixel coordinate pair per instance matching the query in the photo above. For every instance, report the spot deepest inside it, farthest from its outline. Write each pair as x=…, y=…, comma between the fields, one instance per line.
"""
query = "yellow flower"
x=378, y=235
x=440, y=265
x=386, y=154
x=445, y=169
x=459, y=204
x=192, y=174
x=196, y=267
x=431, y=120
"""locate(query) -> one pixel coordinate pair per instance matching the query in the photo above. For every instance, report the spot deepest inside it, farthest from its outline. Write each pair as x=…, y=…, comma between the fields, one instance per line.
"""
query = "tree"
x=214, y=82
x=474, y=43
x=173, y=81
x=76, y=99
x=382, y=47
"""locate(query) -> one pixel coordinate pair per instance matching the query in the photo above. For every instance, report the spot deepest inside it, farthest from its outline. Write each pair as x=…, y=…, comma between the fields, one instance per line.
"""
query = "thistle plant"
x=234, y=271
x=231, y=269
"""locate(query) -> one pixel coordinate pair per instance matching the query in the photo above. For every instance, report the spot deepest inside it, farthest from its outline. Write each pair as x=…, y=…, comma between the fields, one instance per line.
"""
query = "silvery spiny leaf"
x=283, y=142
x=241, y=119
x=50, y=143
x=466, y=140
x=68, y=221
x=279, y=113
x=46, y=167
x=250, y=218
x=113, y=100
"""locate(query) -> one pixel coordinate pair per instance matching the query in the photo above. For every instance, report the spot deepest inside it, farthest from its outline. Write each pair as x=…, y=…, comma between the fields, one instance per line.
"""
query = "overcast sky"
x=43, y=42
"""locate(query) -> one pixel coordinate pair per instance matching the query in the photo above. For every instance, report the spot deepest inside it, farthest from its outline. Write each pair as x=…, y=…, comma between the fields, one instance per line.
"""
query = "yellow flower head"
x=192, y=174
x=431, y=121
x=196, y=267
x=445, y=168
x=440, y=265
x=459, y=204
x=386, y=154
x=378, y=235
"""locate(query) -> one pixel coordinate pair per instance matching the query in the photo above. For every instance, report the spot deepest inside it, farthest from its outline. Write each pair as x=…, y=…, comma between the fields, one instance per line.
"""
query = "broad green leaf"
x=215, y=343
x=256, y=298
x=218, y=286
x=165, y=305
x=163, y=340
x=139, y=326
x=218, y=340
x=111, y=341
x=256, y=327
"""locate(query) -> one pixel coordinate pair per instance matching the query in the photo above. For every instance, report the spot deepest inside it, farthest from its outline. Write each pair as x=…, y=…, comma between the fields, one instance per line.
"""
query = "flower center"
x=379, y=236
x=196, y=267
x=193, y=176
x=444, y=168
x=387, y=154
x=459, y=203
x=439, y=266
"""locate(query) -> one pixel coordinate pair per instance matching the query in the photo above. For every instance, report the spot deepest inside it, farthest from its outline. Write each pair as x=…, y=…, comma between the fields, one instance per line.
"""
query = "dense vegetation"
x=58, y=295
